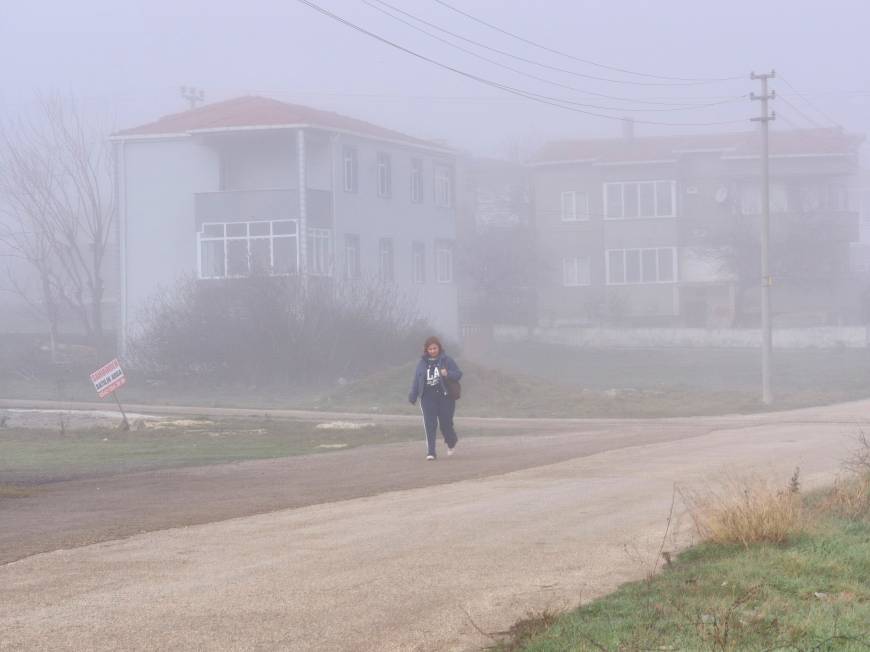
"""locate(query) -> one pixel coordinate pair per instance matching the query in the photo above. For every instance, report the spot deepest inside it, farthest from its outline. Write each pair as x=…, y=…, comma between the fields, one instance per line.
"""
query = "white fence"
x=783, y=338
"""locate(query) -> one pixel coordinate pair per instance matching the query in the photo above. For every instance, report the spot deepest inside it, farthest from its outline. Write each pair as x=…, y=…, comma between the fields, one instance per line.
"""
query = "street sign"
x=108, y=378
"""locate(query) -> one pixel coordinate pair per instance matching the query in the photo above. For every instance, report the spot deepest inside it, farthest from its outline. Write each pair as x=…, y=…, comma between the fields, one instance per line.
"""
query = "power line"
x=785, y=118
x=530, y=61
x=542, y=99
x=810, y=104
x=685, y=81
x=671, y=106
x=812, y=122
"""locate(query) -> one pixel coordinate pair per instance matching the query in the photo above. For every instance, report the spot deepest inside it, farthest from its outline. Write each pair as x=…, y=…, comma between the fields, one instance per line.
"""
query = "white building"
x=254, y=185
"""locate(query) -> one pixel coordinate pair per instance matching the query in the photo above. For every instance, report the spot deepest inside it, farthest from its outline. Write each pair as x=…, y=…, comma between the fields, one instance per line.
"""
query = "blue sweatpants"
x=438, y=409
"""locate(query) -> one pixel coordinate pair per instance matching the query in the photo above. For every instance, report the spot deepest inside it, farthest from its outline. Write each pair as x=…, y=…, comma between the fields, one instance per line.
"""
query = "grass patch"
x=13, y=491
x=811, y=594
x=802, y=585
x=520, y=380
x=29, y=456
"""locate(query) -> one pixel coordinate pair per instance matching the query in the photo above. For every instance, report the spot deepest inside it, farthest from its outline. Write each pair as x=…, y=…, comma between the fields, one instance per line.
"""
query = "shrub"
x=266, y=329
x=746, y=510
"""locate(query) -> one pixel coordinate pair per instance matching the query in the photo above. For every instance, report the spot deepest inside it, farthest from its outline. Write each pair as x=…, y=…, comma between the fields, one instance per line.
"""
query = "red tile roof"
x=747, y=143
x=252, y=111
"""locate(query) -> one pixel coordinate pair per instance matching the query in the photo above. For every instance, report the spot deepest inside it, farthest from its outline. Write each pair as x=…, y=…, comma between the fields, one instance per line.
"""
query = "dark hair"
x=432, y=340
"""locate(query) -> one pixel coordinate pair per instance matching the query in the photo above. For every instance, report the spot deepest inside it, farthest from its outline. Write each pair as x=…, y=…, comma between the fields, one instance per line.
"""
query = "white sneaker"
x=432, y=457
x=450, y=451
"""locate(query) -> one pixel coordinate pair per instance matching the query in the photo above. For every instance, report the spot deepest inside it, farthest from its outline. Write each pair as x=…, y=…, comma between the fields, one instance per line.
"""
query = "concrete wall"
x=159, y=180
x=707, y=203
x=158, y=183
x=259, y=160
x=786, y=338
x=371, y=217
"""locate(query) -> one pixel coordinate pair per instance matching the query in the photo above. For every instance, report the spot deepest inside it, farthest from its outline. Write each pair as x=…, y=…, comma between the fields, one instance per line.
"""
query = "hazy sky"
x=129, y=59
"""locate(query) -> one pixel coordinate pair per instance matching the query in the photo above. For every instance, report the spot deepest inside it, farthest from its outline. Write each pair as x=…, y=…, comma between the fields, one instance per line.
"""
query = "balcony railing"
x=275, y=204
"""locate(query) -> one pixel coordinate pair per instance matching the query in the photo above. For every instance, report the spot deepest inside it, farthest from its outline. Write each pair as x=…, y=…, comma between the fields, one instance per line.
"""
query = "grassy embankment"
x=777, y=572
x=523, y=380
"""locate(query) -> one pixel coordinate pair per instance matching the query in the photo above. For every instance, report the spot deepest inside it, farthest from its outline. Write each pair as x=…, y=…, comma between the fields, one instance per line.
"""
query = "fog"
x=408, y=324
x=531, y=144
x=130, y=58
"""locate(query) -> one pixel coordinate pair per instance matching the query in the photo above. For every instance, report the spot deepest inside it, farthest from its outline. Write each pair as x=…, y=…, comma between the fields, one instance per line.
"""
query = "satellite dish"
x=721, y=195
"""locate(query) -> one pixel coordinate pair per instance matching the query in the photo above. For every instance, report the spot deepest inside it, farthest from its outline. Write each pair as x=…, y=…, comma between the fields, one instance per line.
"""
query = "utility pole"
x=192, y=95
x=766, y=331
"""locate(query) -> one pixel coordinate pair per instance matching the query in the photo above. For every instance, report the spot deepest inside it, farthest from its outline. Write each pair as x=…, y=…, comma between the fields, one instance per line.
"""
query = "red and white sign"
x=108, y=378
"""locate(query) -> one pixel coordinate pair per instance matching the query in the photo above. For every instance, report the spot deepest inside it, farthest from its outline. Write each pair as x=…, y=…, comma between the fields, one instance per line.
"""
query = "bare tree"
x=56, y=173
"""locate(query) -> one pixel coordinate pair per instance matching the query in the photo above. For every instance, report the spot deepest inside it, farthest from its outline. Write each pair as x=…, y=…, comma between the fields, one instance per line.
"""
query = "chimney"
x=628, y=128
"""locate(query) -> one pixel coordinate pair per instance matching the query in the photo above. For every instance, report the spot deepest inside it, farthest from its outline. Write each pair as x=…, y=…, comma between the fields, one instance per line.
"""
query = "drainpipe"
x=121, y=234
x=333, y=147
x=302, y=241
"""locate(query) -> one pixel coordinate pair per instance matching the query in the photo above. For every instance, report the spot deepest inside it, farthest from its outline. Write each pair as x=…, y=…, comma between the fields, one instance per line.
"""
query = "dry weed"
x=850, y=497
x=746, y=510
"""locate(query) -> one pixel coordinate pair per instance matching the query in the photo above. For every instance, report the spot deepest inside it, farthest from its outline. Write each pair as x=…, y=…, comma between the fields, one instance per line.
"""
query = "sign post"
x=107, y=379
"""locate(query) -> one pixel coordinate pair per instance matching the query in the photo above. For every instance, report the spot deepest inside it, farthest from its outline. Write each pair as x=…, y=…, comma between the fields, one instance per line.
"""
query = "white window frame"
x=386, y=250
x=778, y=196
x=385, y=180
x=655, y=185
x=443, y=262
x=350, y=168
x=319, y=252
x=569, y=197
x=418, y=271
x=350, y=273
x=271, y=236
x=571, y=266
x=643, y=281
x=416, y=181
x=443, y=186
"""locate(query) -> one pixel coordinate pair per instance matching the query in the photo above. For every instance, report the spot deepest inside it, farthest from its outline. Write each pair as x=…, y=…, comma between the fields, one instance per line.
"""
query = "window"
x=212, y=247
x=417, y=180
x=239, y=249
x=352, y=268
x=615, y=267
x=443, y=185
x=444, y=262
x=634, y=199
x=575, y=206
x=825, y=197
x=386, y=268
x=385, y=180
x=750, y=198
x=319, y=252
x=351, y=169
x=576, y=271
x=418, y=263
x=285, y=248
x=634, y=266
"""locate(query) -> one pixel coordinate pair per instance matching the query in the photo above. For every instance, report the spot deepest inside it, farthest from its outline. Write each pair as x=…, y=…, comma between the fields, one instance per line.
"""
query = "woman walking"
x=435, y=372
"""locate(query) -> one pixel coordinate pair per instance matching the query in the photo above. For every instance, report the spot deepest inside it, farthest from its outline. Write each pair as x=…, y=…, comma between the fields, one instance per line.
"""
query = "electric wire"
x=810, y=104
x=810, y=120
x=532, y=61
x=672, y=106
x=685, y=81
x=542, y=99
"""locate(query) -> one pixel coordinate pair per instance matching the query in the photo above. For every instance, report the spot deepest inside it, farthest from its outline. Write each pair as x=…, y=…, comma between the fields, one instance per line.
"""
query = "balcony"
x=825, y=225
x=248, y=205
